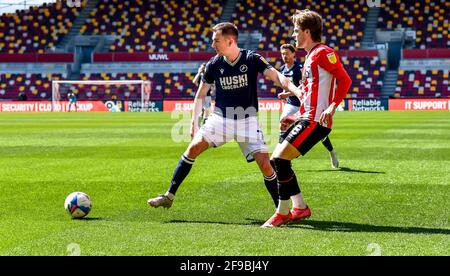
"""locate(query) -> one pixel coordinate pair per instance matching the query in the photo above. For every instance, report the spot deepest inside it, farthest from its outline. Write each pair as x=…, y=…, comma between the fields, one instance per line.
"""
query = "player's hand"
x=201, y=69
x=284, y=95
x=193, y=130
x=327, y=115
x=287, y=121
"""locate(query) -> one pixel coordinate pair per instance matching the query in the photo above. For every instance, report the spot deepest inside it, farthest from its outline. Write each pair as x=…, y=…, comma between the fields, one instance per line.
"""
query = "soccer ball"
x=78, y=204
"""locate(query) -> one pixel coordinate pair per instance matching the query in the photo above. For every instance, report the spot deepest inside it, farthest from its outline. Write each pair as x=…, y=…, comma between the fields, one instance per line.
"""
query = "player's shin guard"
x=327, y=143
x=272, y=187
x=287, y=180
x=181, y=171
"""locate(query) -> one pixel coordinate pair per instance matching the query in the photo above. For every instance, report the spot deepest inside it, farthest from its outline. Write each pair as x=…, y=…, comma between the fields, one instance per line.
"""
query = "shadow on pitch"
x=88, y=219
x=334, y=226
x=343, y=169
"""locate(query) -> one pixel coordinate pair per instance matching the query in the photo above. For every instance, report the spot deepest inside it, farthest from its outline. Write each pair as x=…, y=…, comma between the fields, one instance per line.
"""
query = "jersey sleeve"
x=261, y=63
x=329, y=60
x=208, y=76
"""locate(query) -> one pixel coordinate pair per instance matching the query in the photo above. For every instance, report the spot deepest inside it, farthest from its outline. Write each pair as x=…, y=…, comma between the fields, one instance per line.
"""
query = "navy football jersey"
x=294, y=74
x=236, y=83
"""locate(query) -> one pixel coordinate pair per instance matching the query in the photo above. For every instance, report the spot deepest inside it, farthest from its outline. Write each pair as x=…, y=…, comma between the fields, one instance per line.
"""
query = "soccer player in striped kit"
x=234, y=73
x=292, y=69
x=323, y=87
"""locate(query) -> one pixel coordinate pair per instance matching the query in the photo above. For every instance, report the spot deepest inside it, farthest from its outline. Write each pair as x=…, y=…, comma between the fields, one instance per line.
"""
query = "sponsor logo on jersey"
x=243, y=68
x=234, y=82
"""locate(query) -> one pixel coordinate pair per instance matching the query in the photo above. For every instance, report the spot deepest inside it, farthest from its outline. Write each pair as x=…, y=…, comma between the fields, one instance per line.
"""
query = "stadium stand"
x=423, y=83
x=36, y=29
x=143, y=28
x=35, y=86
x=344, y=21
x=430, y=20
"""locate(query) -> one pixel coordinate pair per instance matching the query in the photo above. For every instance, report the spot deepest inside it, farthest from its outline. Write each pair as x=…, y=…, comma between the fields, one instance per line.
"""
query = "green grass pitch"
x=391, y=196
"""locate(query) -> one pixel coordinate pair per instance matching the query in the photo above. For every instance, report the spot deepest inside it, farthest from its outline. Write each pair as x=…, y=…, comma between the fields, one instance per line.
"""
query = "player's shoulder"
x=250, y=54
x=297, y=65
x=214, y=60
x=324, y=50
x=255, y=57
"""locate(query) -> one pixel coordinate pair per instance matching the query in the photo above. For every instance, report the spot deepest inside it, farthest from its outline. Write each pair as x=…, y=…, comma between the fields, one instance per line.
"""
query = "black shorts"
x=303, y=135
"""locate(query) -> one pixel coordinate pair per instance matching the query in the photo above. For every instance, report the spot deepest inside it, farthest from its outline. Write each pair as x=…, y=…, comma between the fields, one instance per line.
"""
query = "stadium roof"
x=10, y=6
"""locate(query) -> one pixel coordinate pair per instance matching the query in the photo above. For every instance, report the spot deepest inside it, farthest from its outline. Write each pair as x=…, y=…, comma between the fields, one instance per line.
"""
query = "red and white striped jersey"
x=324, y=81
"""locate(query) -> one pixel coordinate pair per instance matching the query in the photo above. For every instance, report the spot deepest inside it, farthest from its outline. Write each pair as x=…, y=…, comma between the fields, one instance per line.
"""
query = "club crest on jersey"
x=332, y=58
x=243, y=68
x=221, y=71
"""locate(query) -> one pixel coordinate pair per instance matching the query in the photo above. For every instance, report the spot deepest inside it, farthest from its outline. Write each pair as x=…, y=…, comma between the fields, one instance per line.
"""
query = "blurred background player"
x=292, y=69
x=234, y=72
x=207, y=108
x=319, y=95
x=72, y=97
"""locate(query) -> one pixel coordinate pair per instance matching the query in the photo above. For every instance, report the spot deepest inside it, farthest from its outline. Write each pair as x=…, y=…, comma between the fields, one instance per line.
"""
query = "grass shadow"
x=333, y=226
x=344, y=169
x=89, y=219
x=212, y=222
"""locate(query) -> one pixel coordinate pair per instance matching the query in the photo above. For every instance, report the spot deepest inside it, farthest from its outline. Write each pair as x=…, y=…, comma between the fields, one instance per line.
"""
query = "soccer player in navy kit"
x=234, y=72
x=292, y=69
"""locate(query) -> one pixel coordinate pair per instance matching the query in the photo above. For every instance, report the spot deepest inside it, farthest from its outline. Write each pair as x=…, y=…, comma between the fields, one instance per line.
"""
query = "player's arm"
x=198, y=104
x=283, y=82
x=331, y=63
x=198, y=77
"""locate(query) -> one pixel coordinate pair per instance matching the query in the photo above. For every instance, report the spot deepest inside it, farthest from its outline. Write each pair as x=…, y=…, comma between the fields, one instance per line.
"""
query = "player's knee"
x=194, y=150
x=266, y=168
x=283, y=168
x=272, y=164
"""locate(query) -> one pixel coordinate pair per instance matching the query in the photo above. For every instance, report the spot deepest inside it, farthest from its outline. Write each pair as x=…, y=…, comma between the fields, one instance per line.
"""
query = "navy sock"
x=287, y=180
x=272, y=187
x=327, y=143
x=180, y=173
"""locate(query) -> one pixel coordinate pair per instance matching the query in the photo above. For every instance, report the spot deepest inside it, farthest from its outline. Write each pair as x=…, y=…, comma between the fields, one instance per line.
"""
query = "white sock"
x=283, y=207
x=298, y=201
x=169, y=195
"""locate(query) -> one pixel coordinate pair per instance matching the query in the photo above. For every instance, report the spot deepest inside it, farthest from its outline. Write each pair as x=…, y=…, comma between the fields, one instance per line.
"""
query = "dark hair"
x=289, y=47
x=227, y=28
x=307, y=19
